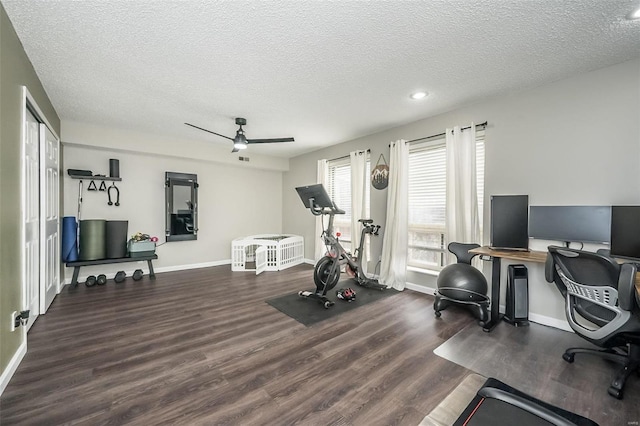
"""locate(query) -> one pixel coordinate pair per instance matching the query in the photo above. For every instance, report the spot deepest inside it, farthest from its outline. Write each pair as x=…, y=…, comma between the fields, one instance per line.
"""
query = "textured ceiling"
x=322, y=72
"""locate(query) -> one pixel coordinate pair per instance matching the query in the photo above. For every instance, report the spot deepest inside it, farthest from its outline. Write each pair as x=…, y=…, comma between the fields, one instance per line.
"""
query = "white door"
x=49, y=219
x=261, y=260
x=31, y=216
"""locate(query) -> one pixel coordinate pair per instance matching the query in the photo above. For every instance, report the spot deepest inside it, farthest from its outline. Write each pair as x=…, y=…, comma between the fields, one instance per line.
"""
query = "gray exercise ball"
x=462, y=282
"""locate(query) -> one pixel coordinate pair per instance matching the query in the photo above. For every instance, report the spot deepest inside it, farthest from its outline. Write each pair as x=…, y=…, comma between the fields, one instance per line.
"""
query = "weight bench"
x=78, y=264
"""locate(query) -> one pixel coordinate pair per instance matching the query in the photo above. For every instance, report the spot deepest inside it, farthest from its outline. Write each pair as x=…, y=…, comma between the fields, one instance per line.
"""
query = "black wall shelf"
x=116, y=179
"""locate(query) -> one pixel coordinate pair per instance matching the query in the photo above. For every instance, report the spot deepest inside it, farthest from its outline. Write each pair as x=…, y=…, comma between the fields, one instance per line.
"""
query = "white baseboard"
x=561, y=324
x=193, y=266
x=420, y=288
x=164, y=269
x=309, y=261
x=8, y=372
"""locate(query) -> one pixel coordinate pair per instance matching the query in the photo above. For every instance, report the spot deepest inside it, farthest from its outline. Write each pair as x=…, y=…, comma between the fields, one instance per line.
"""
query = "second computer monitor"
x=580, y=224
x=510, y=222
x=625, y=231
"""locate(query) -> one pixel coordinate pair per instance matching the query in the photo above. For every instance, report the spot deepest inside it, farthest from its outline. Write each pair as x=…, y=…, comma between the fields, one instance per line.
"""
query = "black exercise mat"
x=309, y=311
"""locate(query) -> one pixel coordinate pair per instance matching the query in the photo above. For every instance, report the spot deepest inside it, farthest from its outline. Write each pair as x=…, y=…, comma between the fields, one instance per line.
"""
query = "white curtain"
x=359, y=180
x=323, y=177
x=461, y=222
x=393, y=269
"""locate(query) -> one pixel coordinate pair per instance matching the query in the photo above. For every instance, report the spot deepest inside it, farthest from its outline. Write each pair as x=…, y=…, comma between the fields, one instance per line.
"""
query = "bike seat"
x=365, y=221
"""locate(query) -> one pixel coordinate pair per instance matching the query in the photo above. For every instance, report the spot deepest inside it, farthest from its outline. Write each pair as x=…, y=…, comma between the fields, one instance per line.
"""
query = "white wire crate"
x=282, y=251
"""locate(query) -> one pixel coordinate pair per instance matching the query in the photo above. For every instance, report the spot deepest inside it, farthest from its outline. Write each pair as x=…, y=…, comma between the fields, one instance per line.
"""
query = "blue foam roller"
x=69, y=239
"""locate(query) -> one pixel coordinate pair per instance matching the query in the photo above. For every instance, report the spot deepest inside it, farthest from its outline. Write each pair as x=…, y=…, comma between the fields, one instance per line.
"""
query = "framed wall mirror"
x=181, y=205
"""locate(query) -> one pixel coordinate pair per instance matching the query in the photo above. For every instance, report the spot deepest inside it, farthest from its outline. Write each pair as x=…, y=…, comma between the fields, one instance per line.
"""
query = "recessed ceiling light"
x=634, y=15
x=418, y=95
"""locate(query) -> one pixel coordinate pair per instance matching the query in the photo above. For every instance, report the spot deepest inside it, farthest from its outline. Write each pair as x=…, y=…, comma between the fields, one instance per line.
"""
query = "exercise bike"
x=326, y=273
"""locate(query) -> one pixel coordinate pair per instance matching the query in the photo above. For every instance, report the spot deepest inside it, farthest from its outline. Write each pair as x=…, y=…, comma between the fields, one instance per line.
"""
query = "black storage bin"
x=517, y=309
x=116, y=240
x=92, y=239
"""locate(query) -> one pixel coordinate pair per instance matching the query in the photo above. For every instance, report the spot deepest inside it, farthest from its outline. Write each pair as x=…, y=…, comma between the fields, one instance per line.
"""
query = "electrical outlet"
x=14, y=315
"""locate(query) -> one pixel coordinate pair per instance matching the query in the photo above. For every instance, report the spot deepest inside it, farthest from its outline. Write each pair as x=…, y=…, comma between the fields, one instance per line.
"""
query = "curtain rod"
x=439, y=135
x=346, y=156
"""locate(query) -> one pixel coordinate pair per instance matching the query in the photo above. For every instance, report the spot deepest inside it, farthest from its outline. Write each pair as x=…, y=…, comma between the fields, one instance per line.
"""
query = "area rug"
x=508, y=351
x=309, y=311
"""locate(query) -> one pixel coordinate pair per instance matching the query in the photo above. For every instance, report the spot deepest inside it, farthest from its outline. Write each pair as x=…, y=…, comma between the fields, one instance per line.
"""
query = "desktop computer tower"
x=517, y=306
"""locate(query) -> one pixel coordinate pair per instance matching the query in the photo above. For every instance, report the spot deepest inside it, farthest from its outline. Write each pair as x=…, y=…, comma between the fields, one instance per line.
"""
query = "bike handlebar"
x=317, y=211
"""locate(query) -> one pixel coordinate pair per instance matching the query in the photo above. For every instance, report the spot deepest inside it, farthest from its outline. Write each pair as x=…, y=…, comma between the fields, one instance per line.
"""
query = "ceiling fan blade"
x=209, y=131
x=270, y=140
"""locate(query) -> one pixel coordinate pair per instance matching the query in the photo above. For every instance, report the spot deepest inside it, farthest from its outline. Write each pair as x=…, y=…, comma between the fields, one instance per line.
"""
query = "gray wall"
x=574, y=141
x=15, y=71
x=233, y=201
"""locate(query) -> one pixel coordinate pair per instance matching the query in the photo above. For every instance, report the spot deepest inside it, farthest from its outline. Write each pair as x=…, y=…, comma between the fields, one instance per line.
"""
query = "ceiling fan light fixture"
x=634, y=15
x=240, y=141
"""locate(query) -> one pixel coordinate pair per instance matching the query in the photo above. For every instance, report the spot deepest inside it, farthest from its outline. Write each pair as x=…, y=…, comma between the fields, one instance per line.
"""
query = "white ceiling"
x=323, y=72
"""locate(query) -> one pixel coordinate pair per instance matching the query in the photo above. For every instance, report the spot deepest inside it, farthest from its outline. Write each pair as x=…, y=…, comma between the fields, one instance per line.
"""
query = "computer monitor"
x=581, y=224
x=625, y=231
x=509, y=222
x=317, y=193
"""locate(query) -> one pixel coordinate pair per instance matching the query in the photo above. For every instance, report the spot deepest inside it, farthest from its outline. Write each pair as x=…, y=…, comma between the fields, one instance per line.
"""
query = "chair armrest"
x=549, y=270
x=627, y=286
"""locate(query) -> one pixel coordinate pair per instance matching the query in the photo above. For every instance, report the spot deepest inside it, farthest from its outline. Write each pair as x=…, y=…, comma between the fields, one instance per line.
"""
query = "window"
x=427, y=201
x=339, y=189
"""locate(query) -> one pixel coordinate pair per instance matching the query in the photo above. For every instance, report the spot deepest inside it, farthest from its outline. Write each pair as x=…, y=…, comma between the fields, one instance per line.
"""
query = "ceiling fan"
x=240, y=141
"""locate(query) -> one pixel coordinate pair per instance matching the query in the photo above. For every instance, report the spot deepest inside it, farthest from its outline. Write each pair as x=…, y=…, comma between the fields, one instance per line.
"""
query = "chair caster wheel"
x=616, y=393
x=438, y=314
x=568, y=357
x=327, y=304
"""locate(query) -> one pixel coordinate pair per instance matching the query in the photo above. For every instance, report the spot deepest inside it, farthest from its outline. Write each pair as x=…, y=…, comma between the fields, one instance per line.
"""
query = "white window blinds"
x=340, y=186
x=339, y=189
x=427, y=201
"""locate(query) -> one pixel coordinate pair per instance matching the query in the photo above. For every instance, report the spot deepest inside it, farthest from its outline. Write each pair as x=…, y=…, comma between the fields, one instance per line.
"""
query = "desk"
x=496, y=256
x=521, y=256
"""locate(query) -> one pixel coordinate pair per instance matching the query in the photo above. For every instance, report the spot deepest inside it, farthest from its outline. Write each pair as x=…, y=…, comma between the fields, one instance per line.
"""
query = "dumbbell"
x=91, y=281
x=101, y=280
x=120, y=276
x=137, y=275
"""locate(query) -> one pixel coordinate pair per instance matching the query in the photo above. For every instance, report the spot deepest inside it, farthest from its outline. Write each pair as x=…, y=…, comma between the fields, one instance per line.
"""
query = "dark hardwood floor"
x=203, y=347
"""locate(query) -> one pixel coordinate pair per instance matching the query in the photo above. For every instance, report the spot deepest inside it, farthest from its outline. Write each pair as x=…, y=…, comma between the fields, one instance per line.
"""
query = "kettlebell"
x=120, y=276
x=91, y=281
x=137, y=275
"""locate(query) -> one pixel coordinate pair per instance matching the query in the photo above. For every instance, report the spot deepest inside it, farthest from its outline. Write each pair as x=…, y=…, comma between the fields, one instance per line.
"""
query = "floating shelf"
x=96, y=178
